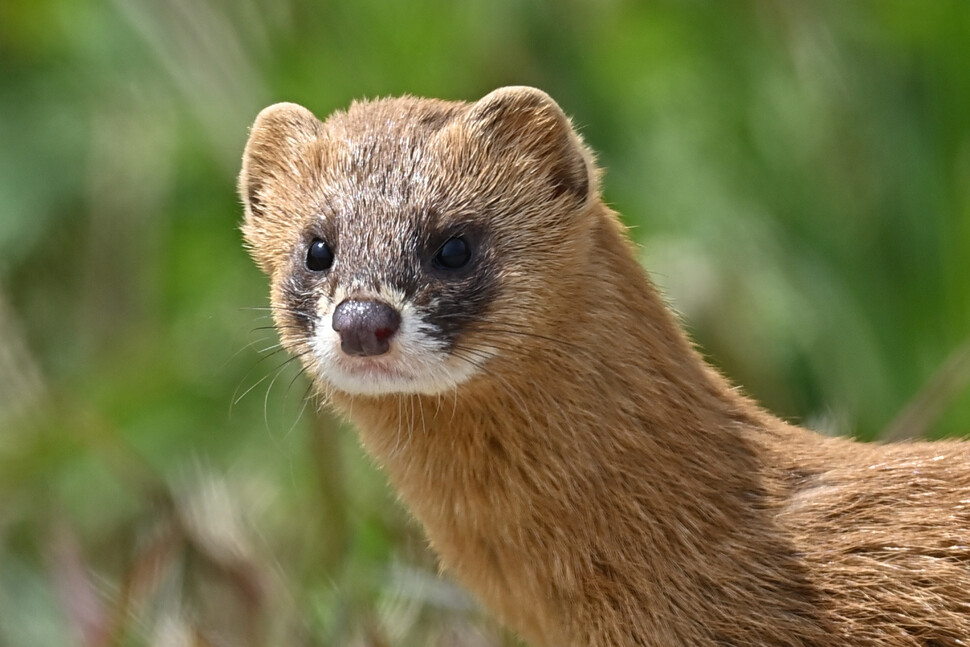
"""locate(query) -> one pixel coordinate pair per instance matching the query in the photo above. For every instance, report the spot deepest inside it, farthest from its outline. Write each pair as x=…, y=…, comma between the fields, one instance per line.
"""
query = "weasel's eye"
x=453, y=254
x=319, y=257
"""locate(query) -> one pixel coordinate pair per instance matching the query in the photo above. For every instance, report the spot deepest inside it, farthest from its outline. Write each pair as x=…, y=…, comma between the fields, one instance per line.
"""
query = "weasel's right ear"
x=275, y=157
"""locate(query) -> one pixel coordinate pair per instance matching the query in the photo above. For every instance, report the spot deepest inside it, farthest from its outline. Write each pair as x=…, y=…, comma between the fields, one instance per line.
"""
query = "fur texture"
x=574, y=461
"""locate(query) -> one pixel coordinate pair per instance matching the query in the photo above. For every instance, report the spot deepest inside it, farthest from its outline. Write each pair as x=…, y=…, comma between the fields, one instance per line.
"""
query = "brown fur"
x=596, y=483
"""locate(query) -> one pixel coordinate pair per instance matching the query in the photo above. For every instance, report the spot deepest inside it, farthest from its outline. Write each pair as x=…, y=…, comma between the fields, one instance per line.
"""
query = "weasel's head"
x=411, y=243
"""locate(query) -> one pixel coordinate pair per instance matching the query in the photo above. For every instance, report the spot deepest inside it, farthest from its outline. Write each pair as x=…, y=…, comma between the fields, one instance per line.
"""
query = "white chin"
x=370, y=380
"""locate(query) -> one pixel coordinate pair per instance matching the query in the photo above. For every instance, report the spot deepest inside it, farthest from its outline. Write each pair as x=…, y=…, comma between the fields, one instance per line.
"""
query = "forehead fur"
x=404, y=118
x=382, y=167
x=382, y=161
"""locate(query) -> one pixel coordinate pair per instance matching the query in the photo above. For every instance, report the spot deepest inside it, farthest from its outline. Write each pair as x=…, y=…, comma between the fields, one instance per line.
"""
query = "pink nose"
x=365, y=327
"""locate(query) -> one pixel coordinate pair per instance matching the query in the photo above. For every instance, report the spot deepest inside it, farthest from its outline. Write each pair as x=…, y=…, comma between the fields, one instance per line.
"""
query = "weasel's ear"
x=529, y=121
x=274, y=156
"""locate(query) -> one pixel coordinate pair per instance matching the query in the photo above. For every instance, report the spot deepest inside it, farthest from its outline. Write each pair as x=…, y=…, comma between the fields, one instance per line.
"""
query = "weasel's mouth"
x=364, y=368
x=370, y=375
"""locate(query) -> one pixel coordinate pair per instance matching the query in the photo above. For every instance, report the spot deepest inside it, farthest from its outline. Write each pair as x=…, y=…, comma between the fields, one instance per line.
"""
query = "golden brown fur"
x=595, y=483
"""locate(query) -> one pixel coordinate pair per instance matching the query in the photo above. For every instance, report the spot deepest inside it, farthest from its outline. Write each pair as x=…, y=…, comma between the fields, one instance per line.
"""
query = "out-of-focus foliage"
x=798, y=175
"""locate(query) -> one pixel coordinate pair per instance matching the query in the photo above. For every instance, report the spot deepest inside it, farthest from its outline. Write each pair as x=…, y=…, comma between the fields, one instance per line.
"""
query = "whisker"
x=524, y=333
x=411, y=426
x=275, y=347
x=305, y=399
x=484, y=324
x=245, y=348
x=301, y=372
x=236, y=400
x=262, y=359
x=269, y=388
x=261, y=380
x=279, y=328
x=424, y=425
x=400, y=421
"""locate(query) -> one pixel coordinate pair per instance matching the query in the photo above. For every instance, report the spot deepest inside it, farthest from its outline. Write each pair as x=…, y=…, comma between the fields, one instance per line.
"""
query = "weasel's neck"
x=610, y=493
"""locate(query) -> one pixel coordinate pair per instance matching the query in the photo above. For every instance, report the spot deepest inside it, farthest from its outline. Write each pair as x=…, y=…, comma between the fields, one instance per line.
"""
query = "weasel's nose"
x=365, y=327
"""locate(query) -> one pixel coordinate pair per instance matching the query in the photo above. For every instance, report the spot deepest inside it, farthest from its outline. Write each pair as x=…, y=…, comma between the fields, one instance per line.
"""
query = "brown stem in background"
x=922, y=412
x=21, y=383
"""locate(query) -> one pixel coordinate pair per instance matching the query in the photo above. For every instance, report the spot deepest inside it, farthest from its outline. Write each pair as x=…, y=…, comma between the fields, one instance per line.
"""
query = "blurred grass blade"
x=922, y=412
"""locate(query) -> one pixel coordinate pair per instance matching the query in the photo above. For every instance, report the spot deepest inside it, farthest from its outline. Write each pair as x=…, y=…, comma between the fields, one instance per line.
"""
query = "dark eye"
x=319, y=257
x=453, y=254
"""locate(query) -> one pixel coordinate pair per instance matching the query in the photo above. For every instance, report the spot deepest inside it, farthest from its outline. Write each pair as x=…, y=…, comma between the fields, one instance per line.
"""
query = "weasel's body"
x=574, y=461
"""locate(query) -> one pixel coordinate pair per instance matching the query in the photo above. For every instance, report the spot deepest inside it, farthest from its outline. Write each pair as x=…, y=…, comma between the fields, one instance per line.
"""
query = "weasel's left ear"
x=274, y=158
x=528, y=121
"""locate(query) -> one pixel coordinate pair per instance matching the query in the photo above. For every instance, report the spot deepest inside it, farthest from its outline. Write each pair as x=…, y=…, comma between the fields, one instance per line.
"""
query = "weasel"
x=452, y=281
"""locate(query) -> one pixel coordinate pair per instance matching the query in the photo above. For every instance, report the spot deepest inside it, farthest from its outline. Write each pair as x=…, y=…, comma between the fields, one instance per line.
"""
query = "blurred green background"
x=798, y=175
